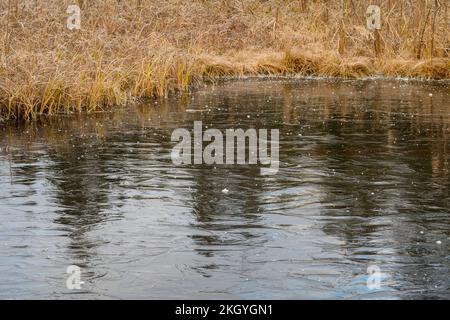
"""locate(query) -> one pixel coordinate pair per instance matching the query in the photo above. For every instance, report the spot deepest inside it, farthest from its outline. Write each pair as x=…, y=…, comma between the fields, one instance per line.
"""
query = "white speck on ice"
x=439, y=242
x=225, y=191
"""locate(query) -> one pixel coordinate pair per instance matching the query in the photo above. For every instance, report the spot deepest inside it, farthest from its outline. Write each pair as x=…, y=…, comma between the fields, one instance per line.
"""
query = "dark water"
x=363, y=180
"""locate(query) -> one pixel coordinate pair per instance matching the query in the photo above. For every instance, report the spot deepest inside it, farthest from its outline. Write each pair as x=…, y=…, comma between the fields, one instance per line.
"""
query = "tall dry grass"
x=143, y=48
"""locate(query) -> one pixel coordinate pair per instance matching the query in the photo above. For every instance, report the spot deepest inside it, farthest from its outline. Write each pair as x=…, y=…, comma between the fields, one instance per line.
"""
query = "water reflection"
x=364, y=179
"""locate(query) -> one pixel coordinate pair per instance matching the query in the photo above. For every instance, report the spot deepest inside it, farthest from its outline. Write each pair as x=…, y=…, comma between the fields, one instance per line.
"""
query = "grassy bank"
x=142, y=48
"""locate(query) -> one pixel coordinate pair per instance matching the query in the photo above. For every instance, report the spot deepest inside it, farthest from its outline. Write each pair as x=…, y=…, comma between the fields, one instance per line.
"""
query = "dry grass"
x=143, y=48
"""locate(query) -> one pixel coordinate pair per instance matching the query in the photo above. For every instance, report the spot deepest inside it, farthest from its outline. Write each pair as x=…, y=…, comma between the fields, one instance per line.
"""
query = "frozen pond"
x=363, y=182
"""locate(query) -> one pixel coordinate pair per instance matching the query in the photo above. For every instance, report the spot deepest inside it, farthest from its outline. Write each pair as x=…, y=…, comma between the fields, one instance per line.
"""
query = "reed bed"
x=147, y=48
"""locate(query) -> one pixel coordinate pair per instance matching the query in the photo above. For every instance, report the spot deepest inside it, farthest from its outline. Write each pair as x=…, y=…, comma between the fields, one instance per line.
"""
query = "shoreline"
x=225, y=79
x=132, y=101
x=195, y=80
x=325, y=78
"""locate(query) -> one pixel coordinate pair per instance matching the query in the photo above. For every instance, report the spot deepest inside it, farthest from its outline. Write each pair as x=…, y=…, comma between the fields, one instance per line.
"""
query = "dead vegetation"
x=143, y=48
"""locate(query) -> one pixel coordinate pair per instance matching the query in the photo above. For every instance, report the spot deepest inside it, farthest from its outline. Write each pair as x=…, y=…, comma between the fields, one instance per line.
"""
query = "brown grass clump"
x=144, y=48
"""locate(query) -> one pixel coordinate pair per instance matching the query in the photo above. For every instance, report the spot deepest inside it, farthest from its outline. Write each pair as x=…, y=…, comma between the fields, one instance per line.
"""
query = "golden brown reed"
x=143, y=48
